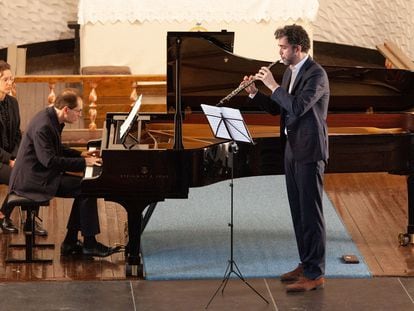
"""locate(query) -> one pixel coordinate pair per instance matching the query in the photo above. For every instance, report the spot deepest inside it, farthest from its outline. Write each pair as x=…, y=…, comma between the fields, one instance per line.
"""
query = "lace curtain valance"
x=110, y=11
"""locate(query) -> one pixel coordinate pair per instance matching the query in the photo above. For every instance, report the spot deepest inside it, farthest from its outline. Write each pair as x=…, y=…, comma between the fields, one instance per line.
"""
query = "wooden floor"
x=372, y=206
x=112, y=220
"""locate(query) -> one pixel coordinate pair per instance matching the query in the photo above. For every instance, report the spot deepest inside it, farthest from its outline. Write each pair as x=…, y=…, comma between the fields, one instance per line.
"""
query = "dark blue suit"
x=303, y=115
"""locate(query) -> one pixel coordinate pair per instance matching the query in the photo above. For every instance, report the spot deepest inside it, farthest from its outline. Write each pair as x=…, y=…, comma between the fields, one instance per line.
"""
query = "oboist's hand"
x=251, y=89
x=267, y=78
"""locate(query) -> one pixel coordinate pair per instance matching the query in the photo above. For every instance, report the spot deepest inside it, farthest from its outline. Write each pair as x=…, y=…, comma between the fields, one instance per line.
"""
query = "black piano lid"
x=210, y=71
x=362, y=88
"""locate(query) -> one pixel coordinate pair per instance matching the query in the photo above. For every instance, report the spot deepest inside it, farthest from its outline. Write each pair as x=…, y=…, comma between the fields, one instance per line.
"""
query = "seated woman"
x=10, y=137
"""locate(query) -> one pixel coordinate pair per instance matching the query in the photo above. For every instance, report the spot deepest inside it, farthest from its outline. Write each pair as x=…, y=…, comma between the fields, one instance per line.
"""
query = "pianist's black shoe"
x=99, y=250
x=7, y=226
x=71, y=249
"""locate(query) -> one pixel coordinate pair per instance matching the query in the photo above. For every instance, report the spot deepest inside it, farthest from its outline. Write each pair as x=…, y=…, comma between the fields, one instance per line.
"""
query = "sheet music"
x=227, y=123
x=130, y=118
x=215, y=120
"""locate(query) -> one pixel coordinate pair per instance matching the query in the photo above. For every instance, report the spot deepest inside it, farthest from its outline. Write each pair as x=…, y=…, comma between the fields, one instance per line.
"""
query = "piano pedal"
x=118, y=248
x=404, y=239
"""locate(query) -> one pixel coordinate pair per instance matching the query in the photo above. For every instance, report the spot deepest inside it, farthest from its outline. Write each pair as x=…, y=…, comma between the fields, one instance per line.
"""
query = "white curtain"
x=111, y=11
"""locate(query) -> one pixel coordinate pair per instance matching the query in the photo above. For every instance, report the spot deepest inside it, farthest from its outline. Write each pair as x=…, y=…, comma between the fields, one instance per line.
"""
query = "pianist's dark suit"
x=303, y=114
x=39, y=171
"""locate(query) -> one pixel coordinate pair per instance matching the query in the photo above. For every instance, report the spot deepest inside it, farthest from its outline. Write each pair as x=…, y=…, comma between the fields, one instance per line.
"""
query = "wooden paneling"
x=113, y=94
x=32, y=98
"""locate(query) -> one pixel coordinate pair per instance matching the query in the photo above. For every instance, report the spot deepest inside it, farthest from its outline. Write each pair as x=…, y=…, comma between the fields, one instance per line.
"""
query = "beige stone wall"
x=366, y=23
x=26, y=21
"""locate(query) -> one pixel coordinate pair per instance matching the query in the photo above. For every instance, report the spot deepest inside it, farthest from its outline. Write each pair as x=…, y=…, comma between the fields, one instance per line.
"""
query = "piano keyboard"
x=92, y=171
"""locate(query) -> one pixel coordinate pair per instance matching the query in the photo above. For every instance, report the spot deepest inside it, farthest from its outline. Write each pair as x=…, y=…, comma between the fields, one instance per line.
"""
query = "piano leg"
x=148, y=215
x=406, y=238
x=410, y=187
x=133, y=265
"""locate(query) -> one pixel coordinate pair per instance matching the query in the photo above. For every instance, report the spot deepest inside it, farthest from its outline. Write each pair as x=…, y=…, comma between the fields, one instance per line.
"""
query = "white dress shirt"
x=295, y=69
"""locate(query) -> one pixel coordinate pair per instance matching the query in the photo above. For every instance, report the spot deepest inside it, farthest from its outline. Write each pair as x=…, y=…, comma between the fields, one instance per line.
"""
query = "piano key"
x=89, y=169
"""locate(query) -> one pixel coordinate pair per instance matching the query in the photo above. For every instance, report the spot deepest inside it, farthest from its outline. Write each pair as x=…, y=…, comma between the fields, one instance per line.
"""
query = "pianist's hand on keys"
x=91, y=157
x=91, y=161
x=92, y=152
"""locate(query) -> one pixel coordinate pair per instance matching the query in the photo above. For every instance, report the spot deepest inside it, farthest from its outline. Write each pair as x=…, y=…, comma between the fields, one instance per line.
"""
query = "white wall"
x=142, y=46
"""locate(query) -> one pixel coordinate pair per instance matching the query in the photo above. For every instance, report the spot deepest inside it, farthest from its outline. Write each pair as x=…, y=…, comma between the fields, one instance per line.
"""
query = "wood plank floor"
x=112, y=220
x=372, y=206
x=374, y=209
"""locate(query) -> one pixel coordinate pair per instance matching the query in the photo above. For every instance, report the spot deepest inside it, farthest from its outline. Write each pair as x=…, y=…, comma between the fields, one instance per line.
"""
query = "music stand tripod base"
x=228, y=123
x=232, y=266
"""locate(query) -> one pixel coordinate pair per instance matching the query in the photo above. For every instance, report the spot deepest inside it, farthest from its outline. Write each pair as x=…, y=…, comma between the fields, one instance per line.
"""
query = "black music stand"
x=228, y=123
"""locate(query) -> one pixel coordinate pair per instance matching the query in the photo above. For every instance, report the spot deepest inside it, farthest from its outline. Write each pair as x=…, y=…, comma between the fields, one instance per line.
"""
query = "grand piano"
x=370, y=130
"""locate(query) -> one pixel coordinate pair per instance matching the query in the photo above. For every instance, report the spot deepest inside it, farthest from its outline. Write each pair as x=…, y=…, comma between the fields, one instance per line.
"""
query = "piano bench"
x=30, y=207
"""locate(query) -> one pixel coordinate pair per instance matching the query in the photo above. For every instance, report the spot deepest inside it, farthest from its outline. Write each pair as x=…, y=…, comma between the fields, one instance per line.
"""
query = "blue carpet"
x=190, y=239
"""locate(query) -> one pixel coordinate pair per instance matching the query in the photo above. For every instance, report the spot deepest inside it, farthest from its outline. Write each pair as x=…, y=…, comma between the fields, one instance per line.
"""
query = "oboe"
x=243, y=86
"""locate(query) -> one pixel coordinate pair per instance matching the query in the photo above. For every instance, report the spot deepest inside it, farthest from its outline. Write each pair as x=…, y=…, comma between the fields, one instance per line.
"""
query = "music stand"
x=228, y=123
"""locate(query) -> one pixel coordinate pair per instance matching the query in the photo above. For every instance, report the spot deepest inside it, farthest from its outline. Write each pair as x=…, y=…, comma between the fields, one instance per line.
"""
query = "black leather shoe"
x=7, y=226
x=39, y=230
x=71, y=249
x=99, y=250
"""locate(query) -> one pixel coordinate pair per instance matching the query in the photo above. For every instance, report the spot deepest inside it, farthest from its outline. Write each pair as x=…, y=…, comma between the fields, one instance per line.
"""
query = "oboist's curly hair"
x=68, y=97
x=296, y=35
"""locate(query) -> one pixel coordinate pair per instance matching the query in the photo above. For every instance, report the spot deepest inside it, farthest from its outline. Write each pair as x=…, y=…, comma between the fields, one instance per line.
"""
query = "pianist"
x=40, y=173
x=302, y=101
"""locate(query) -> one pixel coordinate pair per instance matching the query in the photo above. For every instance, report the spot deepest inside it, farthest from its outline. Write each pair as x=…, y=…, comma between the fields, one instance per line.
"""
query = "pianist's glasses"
x=76, y=110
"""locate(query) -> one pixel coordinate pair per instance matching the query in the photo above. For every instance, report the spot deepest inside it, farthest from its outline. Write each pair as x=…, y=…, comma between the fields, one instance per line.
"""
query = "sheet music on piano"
x=129, y=121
